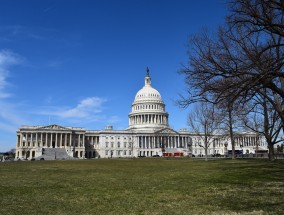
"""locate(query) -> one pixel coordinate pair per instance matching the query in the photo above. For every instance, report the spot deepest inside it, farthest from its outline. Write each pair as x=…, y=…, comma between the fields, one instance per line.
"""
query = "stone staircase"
x=54, y=154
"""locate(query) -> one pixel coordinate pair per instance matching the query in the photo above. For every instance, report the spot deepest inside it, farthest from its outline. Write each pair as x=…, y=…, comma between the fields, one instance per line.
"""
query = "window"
x=106, y=152
x=118, y=145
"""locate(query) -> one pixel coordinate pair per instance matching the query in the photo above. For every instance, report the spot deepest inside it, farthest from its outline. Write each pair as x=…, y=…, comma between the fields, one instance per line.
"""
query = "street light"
x=189, y=145
x=226, y=149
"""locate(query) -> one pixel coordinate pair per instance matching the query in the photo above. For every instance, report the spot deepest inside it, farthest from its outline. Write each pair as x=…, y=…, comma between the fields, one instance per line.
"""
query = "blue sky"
x=80, y=63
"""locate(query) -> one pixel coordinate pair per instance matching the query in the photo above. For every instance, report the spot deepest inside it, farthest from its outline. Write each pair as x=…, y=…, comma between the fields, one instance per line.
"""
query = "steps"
x=54, y=154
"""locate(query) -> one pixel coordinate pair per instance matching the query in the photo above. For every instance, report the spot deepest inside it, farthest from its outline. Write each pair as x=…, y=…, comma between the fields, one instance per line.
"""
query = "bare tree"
x=203, y=121
x=240, y=53
x=261, y=24
x=264, y=120
x=243, y=60
x=262, y=15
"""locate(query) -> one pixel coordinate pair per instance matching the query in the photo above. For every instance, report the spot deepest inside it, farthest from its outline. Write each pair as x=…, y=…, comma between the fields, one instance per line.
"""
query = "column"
x=46, y=135
x=79, y=138
x=65, y=140
x=70, y=140
x=56, y=140
x=168, y=139
x=21, y=140
x=31, y=143
x=41, y=137
x=83, y=142
x=51, y=134
x=60, y=144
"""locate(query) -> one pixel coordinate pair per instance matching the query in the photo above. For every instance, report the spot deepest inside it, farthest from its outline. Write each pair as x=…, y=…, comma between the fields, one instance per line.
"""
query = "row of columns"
x=244, y=141
x=93, y=140
x=51, y=140
x=148, y=118
x=247, y=141
x=164, y=141
x=148, y=107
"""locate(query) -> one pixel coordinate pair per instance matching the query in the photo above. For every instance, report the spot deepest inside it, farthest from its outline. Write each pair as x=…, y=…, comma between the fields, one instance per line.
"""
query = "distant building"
x=148, y=135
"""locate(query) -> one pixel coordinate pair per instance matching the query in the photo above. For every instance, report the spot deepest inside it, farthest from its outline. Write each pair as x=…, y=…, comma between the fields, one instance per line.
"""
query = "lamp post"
x=226, y=149
x=256, y=151
x=189, y=145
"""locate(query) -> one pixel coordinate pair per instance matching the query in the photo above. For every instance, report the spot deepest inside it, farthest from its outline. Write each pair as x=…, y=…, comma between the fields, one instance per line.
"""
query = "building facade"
x=148, y=135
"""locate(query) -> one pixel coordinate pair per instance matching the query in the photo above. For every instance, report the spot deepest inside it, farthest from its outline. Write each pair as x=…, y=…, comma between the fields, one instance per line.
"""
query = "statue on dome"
x=147, y=72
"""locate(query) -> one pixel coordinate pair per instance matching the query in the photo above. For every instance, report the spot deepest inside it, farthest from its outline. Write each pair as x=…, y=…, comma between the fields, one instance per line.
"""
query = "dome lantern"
x=147, y=78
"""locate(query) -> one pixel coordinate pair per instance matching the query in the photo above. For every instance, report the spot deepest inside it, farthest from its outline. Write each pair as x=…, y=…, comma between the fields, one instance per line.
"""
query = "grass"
x=142, y=186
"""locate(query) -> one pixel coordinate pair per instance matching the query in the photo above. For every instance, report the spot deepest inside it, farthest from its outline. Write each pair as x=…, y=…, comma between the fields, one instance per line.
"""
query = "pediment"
x=166, y=131
x=54, y=127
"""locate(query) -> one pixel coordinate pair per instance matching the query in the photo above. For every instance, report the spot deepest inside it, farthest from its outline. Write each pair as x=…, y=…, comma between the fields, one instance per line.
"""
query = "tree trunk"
x=231, y=132
x=206, y=153
x=270, y=151
x=206, y=147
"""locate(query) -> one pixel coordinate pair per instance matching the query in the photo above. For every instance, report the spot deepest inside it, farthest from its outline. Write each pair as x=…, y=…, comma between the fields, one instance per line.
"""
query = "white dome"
x=148, y=93
x=148, y=109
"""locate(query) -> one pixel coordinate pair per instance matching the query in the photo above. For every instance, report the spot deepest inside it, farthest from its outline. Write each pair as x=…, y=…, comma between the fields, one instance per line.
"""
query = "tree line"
x=235, y=73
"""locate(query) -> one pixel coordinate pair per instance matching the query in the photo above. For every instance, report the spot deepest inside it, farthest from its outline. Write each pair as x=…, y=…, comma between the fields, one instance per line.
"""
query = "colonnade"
x=50, y=139
x=93, y=140
x=91, y=145
x=248, y=141
x=163, y=141
x=148, y=107
x=31, y=143
x=148, y=119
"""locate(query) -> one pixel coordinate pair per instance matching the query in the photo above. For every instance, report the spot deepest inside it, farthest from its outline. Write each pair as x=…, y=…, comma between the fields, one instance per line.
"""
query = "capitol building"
x=147, y=135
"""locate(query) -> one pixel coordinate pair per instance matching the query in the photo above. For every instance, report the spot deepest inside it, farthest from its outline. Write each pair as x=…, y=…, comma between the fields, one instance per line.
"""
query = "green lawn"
x=142, y=186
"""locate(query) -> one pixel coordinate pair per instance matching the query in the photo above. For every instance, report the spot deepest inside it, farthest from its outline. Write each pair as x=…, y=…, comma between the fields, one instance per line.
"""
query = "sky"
x=80, y=63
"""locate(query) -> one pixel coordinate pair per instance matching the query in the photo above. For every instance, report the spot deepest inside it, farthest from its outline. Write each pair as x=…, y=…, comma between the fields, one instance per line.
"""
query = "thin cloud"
x=7, y=59
x=85, y=109
x=85, y=113
x=10, y=118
